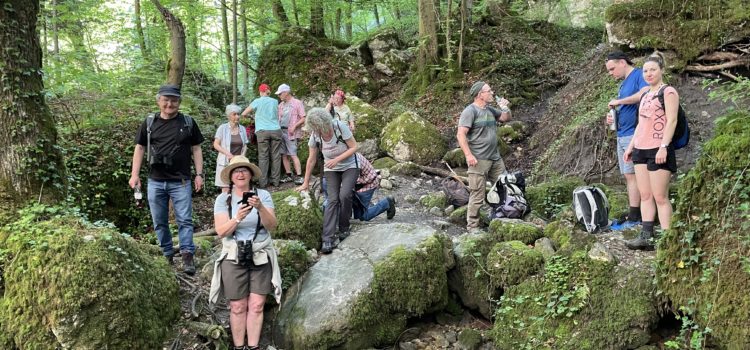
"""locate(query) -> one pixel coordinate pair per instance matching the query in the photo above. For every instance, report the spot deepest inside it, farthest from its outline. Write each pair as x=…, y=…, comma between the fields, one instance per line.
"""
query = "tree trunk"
x=295, y=12
x=139, y=29
x=469, y=8
x=55, y=30
x=280, y=14
x=227, y=45
x=31, y=165
x=428, y=49
x=245, y=58
x=194, y=31
x=375, y=12
x=235, y=51
x=349, y=20
x=338, y=22
x=448, y=20
x=176, y=65
x=460, y=53
x=317, y=25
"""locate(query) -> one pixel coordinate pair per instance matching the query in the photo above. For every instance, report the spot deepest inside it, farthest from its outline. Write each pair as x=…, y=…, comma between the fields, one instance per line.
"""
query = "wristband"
x=237, y=220
x=663, y=146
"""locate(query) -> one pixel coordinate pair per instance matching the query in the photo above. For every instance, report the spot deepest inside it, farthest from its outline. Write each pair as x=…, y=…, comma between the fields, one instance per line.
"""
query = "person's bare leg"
x=660, y=188
x=237, y=320
x=255, y=318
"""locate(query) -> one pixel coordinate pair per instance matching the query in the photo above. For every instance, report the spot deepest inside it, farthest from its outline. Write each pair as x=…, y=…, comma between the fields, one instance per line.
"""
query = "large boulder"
x=369, y=121
x=299, y=217
x=361, y=295
x=72, y=285
x=549, y=198
x=578, y=304
x=702, y=260
x=411, y=138
x=310, y=64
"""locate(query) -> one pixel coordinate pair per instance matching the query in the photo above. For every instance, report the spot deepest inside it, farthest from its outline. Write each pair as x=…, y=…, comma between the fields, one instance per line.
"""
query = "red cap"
x=264, y=88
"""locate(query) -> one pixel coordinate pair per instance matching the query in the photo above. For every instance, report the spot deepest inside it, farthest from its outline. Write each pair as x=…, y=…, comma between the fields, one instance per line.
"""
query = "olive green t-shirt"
x=482, y=135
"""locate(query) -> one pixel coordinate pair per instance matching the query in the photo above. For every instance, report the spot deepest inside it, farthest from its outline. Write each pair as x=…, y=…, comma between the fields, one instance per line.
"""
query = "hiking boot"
x=170, y=259
x=642, y=242
x=391, y=208
x=327, y=248
x=344, y=234
x=299, y=180
x=188, y=266
x=286, y=179
x=623, y=225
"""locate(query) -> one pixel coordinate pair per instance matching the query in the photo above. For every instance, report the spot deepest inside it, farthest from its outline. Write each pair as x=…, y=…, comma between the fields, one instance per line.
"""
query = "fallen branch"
x=442, y=173
x=210, y=331
x=193, y=309
x=718, y=67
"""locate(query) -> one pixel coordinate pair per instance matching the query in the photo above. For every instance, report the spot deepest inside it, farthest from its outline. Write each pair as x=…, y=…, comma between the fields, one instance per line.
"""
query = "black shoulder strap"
x=149, y=122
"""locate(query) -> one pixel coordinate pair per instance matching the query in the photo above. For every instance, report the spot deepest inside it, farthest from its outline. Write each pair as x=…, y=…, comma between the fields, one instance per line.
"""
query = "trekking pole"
x=455, y=176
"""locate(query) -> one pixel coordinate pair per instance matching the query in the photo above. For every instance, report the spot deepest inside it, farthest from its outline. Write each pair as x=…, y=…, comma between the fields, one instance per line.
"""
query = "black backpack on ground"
x=507, y=197
x=591, y=207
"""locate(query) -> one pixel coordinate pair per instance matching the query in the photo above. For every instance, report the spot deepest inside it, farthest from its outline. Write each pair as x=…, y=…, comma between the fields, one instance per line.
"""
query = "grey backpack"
x=591, y=207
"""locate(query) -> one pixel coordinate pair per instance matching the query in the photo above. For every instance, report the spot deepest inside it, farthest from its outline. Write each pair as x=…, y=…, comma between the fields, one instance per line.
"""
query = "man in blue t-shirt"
x=268, y=133
x=620, y=67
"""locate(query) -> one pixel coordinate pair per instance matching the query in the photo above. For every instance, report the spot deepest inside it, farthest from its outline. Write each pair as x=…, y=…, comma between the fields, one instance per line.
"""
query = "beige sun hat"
x=239, y=162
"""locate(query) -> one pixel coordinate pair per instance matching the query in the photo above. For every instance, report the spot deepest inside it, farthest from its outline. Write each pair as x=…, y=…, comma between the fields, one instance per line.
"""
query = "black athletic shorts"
x=648, y=157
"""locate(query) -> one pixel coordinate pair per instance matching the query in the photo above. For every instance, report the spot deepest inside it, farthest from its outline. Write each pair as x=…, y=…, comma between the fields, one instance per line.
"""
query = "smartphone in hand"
x=246, y=196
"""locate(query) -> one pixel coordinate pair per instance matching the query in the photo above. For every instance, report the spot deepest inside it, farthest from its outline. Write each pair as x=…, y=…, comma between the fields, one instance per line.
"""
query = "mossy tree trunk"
x=176, y=65
x=245, y=58
x=235, y=51
x=227, y=45
x=338, y=23
x=317, y=19
x=30, y=163
x=349, y=15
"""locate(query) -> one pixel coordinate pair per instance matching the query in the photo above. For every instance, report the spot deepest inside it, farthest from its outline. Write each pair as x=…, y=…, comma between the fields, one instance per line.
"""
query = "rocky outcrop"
x=411, y=138
x=361, y=295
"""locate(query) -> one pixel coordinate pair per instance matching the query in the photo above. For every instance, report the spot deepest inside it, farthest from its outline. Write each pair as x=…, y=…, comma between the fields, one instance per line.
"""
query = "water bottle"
x=613, y=113
x=138, y=195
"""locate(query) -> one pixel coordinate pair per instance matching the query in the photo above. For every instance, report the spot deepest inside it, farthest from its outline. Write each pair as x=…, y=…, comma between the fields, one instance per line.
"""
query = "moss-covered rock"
x=690, y=28
x=549, y=198
x=567, y=238
x=469, y=339
x=702, y=263
x=435, y=199
x=384, y=163
x=515, y=231
x=368, y=284
x=406, y=169
x=577, y=304
x=411, y=138
x=70, y=284
x=293, y=261
x=309, y=64
x=618, y=201
x=299, y=217
x=369, y=121
x=478, y=276
x=455, y=158
x=458, y=216
x=512, y=262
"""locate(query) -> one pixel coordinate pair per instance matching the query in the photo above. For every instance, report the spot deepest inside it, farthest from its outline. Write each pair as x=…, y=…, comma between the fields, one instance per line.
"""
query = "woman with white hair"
x=335, y=141
x=230, y=140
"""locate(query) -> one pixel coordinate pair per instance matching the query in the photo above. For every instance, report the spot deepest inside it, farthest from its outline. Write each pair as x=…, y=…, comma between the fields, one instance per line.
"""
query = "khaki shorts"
x=239, y=281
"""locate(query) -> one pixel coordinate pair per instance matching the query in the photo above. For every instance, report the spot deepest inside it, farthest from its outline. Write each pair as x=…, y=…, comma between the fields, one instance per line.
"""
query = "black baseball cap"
x=619, y=55
x=169, y=90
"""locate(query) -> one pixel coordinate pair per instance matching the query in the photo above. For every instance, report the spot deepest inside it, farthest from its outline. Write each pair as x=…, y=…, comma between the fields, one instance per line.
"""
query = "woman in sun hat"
x=247, y=269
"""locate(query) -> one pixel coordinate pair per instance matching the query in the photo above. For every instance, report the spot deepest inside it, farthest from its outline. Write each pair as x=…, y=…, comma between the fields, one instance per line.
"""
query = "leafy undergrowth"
x=702, y=261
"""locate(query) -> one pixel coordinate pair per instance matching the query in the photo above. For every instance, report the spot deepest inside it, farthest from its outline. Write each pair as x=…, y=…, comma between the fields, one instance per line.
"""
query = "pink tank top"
x=652, y=121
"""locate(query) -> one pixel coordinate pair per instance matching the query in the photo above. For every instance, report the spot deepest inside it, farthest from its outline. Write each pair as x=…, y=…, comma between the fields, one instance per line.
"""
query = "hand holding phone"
x=246, y=197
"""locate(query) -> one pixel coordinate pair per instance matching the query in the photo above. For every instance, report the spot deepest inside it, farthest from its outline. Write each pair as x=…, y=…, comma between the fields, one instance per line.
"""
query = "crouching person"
x=247, y=269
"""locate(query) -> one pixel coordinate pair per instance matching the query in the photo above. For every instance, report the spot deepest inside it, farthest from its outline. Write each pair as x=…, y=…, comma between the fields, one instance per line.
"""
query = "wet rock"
x=436, y=211
x=386, y=184
x=368, y=148
x=412, y=138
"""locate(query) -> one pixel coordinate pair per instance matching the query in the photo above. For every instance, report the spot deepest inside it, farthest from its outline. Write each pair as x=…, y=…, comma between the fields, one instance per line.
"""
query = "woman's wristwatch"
x=237, y=220
x=663, y=146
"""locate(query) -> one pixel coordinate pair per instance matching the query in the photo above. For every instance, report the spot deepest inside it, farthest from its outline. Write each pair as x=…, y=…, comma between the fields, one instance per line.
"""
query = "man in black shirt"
x=169, y=138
